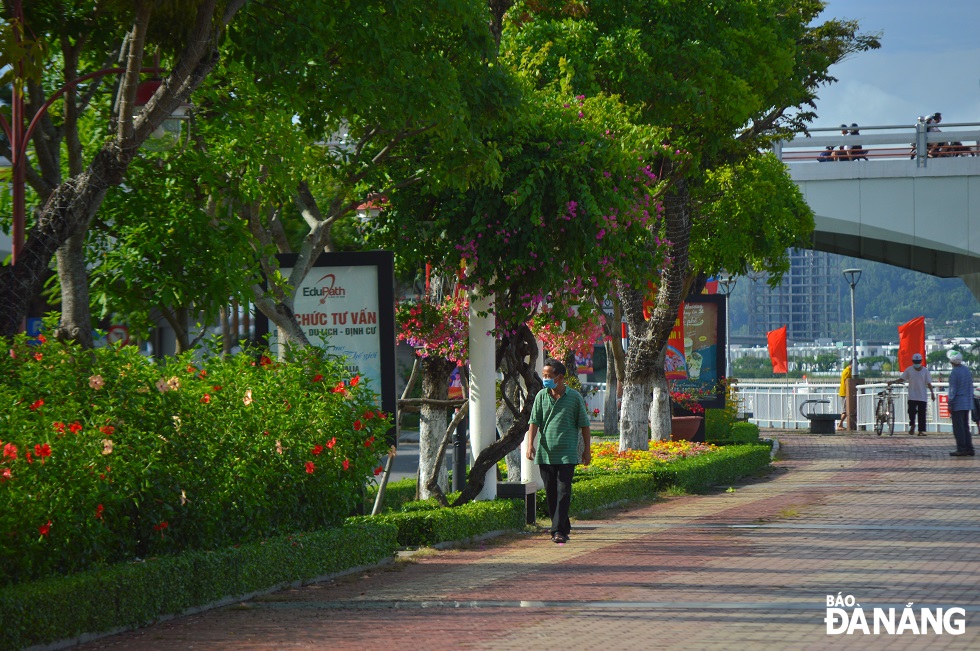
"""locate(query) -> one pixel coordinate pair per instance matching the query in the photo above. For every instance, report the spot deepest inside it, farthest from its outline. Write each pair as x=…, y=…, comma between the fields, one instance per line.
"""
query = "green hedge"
x=134, y=594
x=717, y=424
x=427, y=524
x=397, y=494
x=693, y=474
x=745, y=432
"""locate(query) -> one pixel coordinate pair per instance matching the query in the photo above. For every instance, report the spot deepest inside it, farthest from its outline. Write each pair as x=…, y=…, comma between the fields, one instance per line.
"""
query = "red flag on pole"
x=911, y=340
x=777, y=350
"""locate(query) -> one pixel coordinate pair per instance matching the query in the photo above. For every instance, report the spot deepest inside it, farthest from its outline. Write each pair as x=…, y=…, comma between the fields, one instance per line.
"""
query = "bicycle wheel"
x=891, y=417
x=880, y=416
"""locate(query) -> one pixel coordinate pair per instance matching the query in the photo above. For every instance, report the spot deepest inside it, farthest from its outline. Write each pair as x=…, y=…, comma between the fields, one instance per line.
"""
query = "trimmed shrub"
x=717, y=425
x=134, y=594
x=107, y=456
x=397, y=493
x=745, y=432
x=429, y=526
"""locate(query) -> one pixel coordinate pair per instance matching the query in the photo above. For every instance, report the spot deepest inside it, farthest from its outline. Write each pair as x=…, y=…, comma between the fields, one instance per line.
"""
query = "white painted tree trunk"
x=432, y=423
x=610, y=405
x=660, y=412
x=483, y=385
x=634, y=416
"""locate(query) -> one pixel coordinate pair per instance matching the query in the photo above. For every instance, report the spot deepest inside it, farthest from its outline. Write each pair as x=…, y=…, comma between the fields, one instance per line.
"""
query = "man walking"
x=918, y=378
x=960, y=395
x=559, y=413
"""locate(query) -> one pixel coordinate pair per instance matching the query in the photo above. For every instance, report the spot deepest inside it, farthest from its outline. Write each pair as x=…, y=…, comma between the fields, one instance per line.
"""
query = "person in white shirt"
x=918, y=378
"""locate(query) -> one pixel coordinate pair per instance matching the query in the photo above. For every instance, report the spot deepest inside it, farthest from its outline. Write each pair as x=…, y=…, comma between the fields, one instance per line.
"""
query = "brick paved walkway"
x=888, y=520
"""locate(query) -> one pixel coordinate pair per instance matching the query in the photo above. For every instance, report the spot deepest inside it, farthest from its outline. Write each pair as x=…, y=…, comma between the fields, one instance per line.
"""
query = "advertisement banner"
x=675, y=361
x=702, y=338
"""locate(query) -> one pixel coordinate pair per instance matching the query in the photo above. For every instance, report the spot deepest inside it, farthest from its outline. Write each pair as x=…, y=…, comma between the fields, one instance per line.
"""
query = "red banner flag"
x=777, y=350
x=911, y=340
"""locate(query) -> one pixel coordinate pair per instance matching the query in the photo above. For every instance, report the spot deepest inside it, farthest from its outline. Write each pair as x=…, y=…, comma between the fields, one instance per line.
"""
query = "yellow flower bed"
x=607, y=457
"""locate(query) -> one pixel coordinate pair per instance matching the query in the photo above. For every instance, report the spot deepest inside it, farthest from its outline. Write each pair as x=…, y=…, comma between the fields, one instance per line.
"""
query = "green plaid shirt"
x=560, y=424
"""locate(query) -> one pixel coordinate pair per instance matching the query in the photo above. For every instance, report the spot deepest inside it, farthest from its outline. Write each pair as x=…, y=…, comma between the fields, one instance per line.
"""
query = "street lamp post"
x=853, y=276
x=727, y=285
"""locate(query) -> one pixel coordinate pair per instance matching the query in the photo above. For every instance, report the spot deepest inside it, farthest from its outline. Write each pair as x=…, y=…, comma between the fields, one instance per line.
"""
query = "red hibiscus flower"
x=191, y=369
x=10, y=451
x=368, y=415
x=98, y=512
x=317, y=377
x=264, y=361
x=369, y=442
x=36, y=405
x=203, y=373
x=206, y=398
x=45, y=529
x=339, y=388
x=42, y=451
x=42, y=339
x=378, y=470
x=310, y=467
x=346, y=464
x=381, y=414
x=107, y=430
x=5, y=475
x=358, y=426
x=216, y=388
x=75, y=427
x=317, y=449
x=28, y=457
x=332, y=442
x=160, y=527
x=38, y=356
x=354, y=381
x=58, y=427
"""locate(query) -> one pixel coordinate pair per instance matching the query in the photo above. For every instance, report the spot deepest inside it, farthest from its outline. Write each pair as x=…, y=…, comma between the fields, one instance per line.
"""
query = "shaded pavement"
x=889, y=520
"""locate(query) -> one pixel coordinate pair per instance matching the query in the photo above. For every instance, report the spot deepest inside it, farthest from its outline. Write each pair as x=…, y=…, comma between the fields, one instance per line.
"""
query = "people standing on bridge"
x=827, y=155
x=918, y=378
x=856, y=152
x=845, y=375
x=842, y=153
x=559, y=413
x=960, y=394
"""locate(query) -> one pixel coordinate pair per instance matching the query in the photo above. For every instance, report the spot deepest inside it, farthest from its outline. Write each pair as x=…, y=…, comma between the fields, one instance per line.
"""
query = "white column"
x=530, y=473
x=483, y=386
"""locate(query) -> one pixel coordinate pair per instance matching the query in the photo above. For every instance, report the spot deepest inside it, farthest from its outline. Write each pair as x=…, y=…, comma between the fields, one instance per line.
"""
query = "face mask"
x=549, y=383
x=916, y=366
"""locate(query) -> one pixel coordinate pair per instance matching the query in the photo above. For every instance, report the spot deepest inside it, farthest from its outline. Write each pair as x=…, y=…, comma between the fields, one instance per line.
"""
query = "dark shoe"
x=559, y=538
x=959, y=453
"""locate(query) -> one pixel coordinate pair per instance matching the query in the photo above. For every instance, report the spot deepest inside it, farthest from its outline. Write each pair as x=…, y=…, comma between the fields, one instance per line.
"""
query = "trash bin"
x=820, y=423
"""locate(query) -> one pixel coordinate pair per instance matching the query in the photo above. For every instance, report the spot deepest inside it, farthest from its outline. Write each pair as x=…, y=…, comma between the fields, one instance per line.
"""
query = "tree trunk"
x=433, y=422
x=645, y=357
x=610, y=405
x=505, y=417
x=660, y=411
x=76, y=318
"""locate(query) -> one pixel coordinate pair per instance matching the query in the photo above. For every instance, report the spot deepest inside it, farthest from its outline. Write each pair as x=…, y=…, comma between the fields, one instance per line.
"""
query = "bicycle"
x=885, y=412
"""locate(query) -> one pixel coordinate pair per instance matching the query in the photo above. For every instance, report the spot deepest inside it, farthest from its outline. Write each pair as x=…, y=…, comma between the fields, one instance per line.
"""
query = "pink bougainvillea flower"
x=354, y=381
x=310, y=467
x=346, y=464
x=378, y=470
x=368, y=443
x=45, y=529
x=37, y=404
x=317, y=377
x=206, y=398
x=317, y=449
x=96, y=382
x=75, y=427
x=248, y=397
x=332, y=442
x=358, y=426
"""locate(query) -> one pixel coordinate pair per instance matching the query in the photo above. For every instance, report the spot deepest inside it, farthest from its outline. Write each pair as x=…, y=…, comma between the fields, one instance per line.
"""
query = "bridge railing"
x=914, y=142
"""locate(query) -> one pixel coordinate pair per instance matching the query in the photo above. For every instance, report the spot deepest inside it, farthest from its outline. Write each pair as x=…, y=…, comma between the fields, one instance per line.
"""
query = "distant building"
x=808, y=301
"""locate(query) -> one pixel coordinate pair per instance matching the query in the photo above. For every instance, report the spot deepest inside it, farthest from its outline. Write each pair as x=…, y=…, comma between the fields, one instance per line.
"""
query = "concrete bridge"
x=903, y=195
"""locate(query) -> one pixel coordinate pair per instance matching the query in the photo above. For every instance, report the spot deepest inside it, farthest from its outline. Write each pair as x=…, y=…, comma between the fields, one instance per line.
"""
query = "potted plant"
x=687, y=416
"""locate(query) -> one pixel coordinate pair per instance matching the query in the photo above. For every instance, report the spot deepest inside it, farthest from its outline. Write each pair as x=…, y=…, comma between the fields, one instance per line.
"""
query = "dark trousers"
x=961, y=430
x=917, y=407
x=557, y=480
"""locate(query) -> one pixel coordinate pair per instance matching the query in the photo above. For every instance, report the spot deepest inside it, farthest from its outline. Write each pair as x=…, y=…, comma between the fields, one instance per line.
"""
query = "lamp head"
x=852, y=276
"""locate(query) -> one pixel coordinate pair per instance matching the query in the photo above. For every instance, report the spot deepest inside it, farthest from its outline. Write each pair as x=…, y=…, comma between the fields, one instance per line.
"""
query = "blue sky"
x=929, y=61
